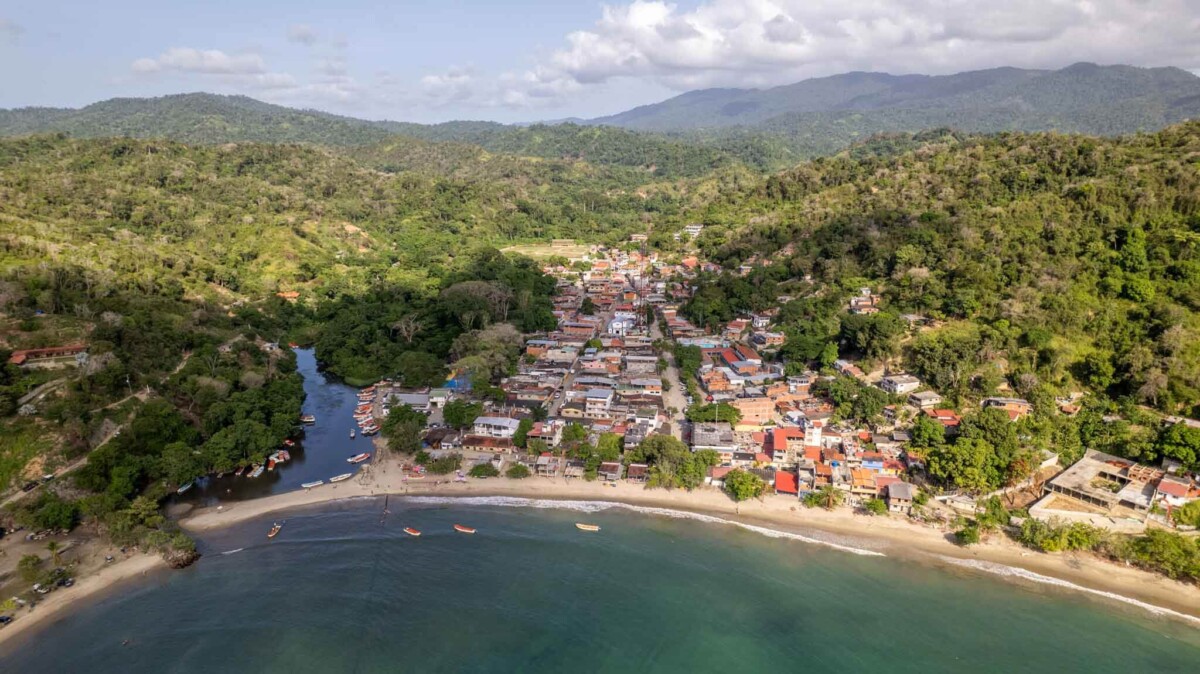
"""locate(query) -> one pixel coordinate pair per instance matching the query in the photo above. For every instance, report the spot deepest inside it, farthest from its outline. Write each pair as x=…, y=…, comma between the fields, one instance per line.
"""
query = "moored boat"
x=340, y=478
x=359, y=458
x=184, y=487
x=274, y=530
x=256, y=471
x=308, y=419
x=315, y=483
x=587, y=527
x=351, y=433
x=411, y=531
x=271, y=463
x=463, y=529
x=288, y=442
x=239, y=471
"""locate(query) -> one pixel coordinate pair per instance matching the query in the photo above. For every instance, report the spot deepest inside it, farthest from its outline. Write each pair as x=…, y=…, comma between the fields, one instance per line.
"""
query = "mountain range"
x=696, y=131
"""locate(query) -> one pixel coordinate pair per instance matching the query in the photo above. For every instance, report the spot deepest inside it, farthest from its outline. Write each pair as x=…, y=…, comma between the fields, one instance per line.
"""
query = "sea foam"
x=1026, y=574
x=600, y=506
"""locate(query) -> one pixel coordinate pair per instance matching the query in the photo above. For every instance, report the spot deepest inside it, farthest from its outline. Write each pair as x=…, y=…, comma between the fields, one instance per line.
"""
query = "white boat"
x=351, y=433
x=184, y=488
x=310, y=485
x=359, y=458
x=342, y=477
x=258, y=471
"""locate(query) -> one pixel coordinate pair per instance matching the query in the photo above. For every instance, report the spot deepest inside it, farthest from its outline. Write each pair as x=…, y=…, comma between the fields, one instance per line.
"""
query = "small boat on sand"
x=359, y=458
x=411, y=531
x=587, y=527
x=342, y=477
x=274, y=530
x=463, y=530
x=239, y=471
x=310, y=485
x=308, y=419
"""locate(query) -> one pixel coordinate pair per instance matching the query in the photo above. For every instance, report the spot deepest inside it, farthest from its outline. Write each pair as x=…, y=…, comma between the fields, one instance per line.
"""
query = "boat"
x=283, y=456
x=274, y=530
x=271, y=463
x=293, y=345
x=370, y=430
x=308, y=419
x=587, y=527
x=310, y=485
x=184, y=488
x=359, y=458
x=340, y=478
x=239, y=471
x=288, y=442
x=411, y=531
x=256, y=471
x=463, y=530
x=351, y=433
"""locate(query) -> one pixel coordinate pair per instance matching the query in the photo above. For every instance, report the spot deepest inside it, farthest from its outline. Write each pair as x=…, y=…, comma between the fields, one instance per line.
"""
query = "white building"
x=900, y=384
x=496, y=427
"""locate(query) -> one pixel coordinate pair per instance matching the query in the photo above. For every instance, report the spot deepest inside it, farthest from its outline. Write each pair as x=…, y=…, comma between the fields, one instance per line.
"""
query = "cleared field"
x=539, y=250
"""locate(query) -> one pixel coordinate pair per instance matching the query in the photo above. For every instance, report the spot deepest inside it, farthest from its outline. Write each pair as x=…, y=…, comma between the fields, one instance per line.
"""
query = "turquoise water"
x=342, y=589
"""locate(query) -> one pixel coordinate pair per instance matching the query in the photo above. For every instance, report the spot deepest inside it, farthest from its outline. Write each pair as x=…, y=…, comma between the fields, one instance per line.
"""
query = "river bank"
x=893, y=536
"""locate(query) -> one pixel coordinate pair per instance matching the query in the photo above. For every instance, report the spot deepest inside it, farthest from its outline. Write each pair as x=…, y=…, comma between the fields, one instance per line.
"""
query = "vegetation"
x=743, y=485
x=517, y=471
x=671, y=463
x=402, y=427
x=483, y=470
x=826, y=497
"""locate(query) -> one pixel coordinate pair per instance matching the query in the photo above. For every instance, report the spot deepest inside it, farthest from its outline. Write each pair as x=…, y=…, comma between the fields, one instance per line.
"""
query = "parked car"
x=5, y=619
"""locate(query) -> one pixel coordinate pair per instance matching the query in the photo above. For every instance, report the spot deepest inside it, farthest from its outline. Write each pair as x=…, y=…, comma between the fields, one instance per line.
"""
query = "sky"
x=525, y=60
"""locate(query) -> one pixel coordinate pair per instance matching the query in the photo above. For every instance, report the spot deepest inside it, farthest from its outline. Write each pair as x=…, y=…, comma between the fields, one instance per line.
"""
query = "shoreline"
x=87, y=588
x=892, y=535
x=1116, y=585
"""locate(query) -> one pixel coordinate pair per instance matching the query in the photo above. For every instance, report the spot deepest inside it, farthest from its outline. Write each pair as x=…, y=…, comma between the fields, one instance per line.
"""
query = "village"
x=609, y=370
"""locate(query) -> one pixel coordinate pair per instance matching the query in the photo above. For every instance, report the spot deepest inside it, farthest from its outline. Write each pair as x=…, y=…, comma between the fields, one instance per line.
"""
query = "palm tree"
x=831, y=497
x=54, y=549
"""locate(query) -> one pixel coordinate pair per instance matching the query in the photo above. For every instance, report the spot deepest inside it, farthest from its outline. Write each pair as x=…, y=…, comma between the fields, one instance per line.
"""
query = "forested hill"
x=251, y=219
x=822, y=116
x=1084, y=252
x=211, y=119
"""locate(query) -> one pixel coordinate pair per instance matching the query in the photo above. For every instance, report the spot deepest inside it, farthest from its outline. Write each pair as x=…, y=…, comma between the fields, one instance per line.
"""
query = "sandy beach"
x=55, y=605
x=893, y=536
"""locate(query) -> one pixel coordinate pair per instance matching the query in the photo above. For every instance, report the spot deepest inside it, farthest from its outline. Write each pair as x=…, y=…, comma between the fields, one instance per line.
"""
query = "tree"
x=968, y=464
x=719, y=412
x=522, y=434
x=1180, y=442
x=461, y=414
x=927, y=433
x=875, y=506
x=30, y=567
x=402, y=427
x=587, y=307
x=483, y=470
x=968, y=535
x=742, y=485
x=54, y=548
x=444, y=465
x=517, y=471
x=826, y=497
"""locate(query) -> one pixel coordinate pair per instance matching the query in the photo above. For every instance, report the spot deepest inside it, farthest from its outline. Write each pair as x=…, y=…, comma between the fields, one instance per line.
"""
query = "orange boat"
x=411, y=531
x=463, y=530
x=274, y=530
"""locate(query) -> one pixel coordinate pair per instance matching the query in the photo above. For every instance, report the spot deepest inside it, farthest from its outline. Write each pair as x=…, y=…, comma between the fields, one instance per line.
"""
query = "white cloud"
x=10, y=30
x=771, y=42
x=302, y=33
x=204, y=61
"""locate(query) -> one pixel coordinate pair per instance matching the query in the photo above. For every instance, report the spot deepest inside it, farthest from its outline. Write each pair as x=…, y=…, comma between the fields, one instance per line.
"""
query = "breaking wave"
x=1025, y=574
x=599, y=506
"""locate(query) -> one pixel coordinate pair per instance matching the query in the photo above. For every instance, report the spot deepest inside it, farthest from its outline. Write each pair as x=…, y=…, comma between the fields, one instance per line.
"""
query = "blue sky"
x=542, y=59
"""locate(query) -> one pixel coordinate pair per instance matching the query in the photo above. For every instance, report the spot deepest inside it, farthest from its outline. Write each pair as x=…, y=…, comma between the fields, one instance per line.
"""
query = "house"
x=1014, y=407
x=900, y=497
x=899, y=384
x=487, y=443
x=755, y=411
x=637, y=472
x=786, y=483
x=769, y=340
x=610, y=471
x=597, y=402
x=48, y=357
x=845, y=367
x=947, y=418
x=715, y=436
x=496, y=427
x=417, y=401
x=924, y=400
x=548, y=465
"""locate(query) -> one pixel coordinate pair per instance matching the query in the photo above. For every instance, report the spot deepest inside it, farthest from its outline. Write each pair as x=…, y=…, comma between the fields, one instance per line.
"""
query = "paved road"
x=674, y=397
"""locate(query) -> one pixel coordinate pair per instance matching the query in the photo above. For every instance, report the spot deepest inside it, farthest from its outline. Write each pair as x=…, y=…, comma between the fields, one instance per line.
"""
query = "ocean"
x=343, y=589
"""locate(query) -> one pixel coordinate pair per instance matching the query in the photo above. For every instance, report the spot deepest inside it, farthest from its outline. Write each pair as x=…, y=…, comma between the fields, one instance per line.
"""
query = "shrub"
x=517, y=471
x=482, y=470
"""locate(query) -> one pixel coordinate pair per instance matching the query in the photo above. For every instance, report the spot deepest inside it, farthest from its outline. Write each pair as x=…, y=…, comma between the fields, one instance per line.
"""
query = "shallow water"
x=343, y=589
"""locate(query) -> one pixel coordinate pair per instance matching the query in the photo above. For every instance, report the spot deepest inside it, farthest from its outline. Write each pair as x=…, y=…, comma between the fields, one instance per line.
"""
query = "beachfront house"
x=496, y=427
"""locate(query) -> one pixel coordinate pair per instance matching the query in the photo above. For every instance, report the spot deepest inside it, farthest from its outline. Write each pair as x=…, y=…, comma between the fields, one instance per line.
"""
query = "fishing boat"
x=351, y=433
x=184, y=488
x=463, y=530
x=308, y=419
x=370, y=430
x=310, y=485
x=587, y=527
x=257, y=471
x=359, y=458
x=342, y=477
x=239, y=471
x=274, y=530
x=283, y=456
x=411, y=531
x=288, y=442
x=271, y=463
x=293, y=345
